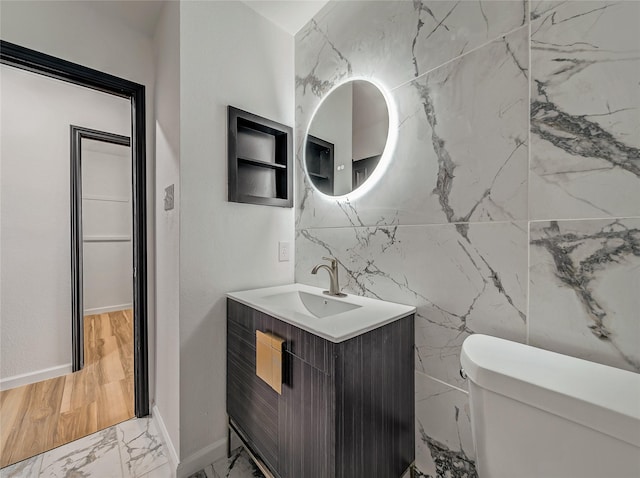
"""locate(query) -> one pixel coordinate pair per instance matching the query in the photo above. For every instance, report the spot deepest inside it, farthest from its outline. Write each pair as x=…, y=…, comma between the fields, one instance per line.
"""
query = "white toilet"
x=541, y=414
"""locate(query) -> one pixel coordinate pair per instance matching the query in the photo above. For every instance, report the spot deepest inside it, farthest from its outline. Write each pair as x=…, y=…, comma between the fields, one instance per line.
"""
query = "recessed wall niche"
x=260, y=167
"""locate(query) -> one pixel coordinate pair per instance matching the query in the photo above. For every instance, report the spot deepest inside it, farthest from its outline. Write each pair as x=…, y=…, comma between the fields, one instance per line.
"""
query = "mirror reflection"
x=346, y=138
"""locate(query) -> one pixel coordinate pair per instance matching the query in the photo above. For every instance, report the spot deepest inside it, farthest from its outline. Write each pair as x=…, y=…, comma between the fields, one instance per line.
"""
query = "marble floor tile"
x=23, y=469
x=95, y=455
x=141, y=447
x=200, y=474
x=419, y=474
x=241, y=466
x=207, y=472
x=163, y=471
x=238, y=466
x=132, y=449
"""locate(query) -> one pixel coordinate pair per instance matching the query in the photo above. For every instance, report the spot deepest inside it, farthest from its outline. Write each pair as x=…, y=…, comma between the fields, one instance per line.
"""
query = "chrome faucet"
x=334, y=287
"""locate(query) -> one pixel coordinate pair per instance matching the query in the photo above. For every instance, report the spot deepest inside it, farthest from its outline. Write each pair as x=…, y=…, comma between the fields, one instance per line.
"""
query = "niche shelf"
x=260, y=166
x=319, y=161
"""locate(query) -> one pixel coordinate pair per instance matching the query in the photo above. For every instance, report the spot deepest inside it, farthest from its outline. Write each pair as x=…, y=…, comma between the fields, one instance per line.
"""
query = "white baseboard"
x=33, y=377
x=202, y=458
x=173, y=456
x=109, y=308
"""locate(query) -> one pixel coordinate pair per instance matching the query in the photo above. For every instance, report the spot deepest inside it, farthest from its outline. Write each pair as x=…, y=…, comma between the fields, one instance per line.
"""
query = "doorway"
x=107, y=326
x=100, y=229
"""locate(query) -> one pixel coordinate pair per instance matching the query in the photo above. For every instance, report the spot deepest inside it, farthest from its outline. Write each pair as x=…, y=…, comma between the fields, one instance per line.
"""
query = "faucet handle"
x=333, y=260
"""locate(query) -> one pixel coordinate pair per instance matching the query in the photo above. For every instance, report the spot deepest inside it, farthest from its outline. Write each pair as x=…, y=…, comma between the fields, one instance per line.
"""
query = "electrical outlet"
x=284, y=249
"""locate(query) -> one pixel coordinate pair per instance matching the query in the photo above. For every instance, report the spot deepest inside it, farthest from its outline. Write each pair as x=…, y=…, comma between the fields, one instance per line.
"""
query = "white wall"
x=107, y=260
x=76, y=32
x=229, y=56
x=35, y=218
x=167, y=126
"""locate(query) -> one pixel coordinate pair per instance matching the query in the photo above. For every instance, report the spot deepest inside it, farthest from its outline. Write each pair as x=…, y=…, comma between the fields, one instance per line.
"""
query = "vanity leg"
x=228, y=438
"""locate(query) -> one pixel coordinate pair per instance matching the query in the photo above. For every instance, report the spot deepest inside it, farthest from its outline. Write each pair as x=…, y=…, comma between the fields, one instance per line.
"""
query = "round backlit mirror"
x=347, y=138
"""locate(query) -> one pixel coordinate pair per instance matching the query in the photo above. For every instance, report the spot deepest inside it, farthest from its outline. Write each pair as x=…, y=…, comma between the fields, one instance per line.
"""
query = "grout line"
x=442, y=382
x=607, y=218
x=529, y=83
x=146, y=473
x=475, y=223
x=502, y=35
x=119, y=452
x=39, y=470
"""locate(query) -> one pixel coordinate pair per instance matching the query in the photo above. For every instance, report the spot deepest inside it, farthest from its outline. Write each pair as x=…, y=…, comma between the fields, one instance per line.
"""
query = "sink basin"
x=333, y=318
x=318, y=305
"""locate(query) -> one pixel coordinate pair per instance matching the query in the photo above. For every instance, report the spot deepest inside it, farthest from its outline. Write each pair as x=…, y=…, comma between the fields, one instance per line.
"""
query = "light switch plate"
x=284, y=249
x=168, y=198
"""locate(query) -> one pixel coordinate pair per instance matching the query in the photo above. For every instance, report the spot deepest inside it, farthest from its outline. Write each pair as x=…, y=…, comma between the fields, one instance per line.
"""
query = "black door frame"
x=43, y=64
x=78, y=133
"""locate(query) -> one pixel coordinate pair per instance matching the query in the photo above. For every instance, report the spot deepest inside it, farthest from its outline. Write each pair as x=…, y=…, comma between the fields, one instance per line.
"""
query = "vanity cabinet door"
x=251, y=403
x=306, y=422
x=374, y=395
x=292, y=432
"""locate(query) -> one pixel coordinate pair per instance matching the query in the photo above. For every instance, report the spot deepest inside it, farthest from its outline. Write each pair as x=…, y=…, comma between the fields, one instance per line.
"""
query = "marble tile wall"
x=512, y=204
x=585, y=100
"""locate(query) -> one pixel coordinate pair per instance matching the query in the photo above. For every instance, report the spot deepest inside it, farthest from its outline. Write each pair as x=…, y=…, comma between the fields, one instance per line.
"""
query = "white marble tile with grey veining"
x=132, y=449
x=585, y=279
x=163, y=471
x=462, y=279
x=461, y=152
x=444, y=443
x=141, y=447
x=585, y=110
x=402, y=39
x=238, y=466
x=94, y=455
x=391, y=42
x=543, y=7
x=29, y=468
x=468, y=121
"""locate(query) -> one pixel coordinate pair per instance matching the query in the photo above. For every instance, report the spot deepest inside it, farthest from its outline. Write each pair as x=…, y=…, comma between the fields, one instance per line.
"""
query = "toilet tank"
x=536, y=413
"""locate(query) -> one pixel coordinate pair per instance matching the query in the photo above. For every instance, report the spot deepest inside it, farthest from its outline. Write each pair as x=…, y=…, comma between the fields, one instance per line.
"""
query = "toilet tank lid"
x=604, y=398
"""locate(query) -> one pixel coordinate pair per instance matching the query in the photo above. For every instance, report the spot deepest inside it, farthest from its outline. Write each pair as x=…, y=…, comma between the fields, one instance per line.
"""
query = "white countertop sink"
x=332, y=318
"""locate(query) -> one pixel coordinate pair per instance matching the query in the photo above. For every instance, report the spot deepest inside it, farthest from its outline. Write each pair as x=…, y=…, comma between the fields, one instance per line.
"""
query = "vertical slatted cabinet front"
x=346, y=410
x=306, y=405
x=251, y=403
x=375, y=412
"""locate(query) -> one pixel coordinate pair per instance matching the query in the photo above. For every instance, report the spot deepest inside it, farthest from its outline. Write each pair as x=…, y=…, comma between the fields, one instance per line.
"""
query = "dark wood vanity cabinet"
x=346, y=409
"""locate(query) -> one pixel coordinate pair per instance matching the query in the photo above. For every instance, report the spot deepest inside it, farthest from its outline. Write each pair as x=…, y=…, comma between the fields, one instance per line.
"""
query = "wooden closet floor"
x=37, y=417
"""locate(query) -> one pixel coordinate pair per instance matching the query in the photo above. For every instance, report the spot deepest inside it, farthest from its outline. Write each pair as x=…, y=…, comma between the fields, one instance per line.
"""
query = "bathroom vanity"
x=345, y=405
